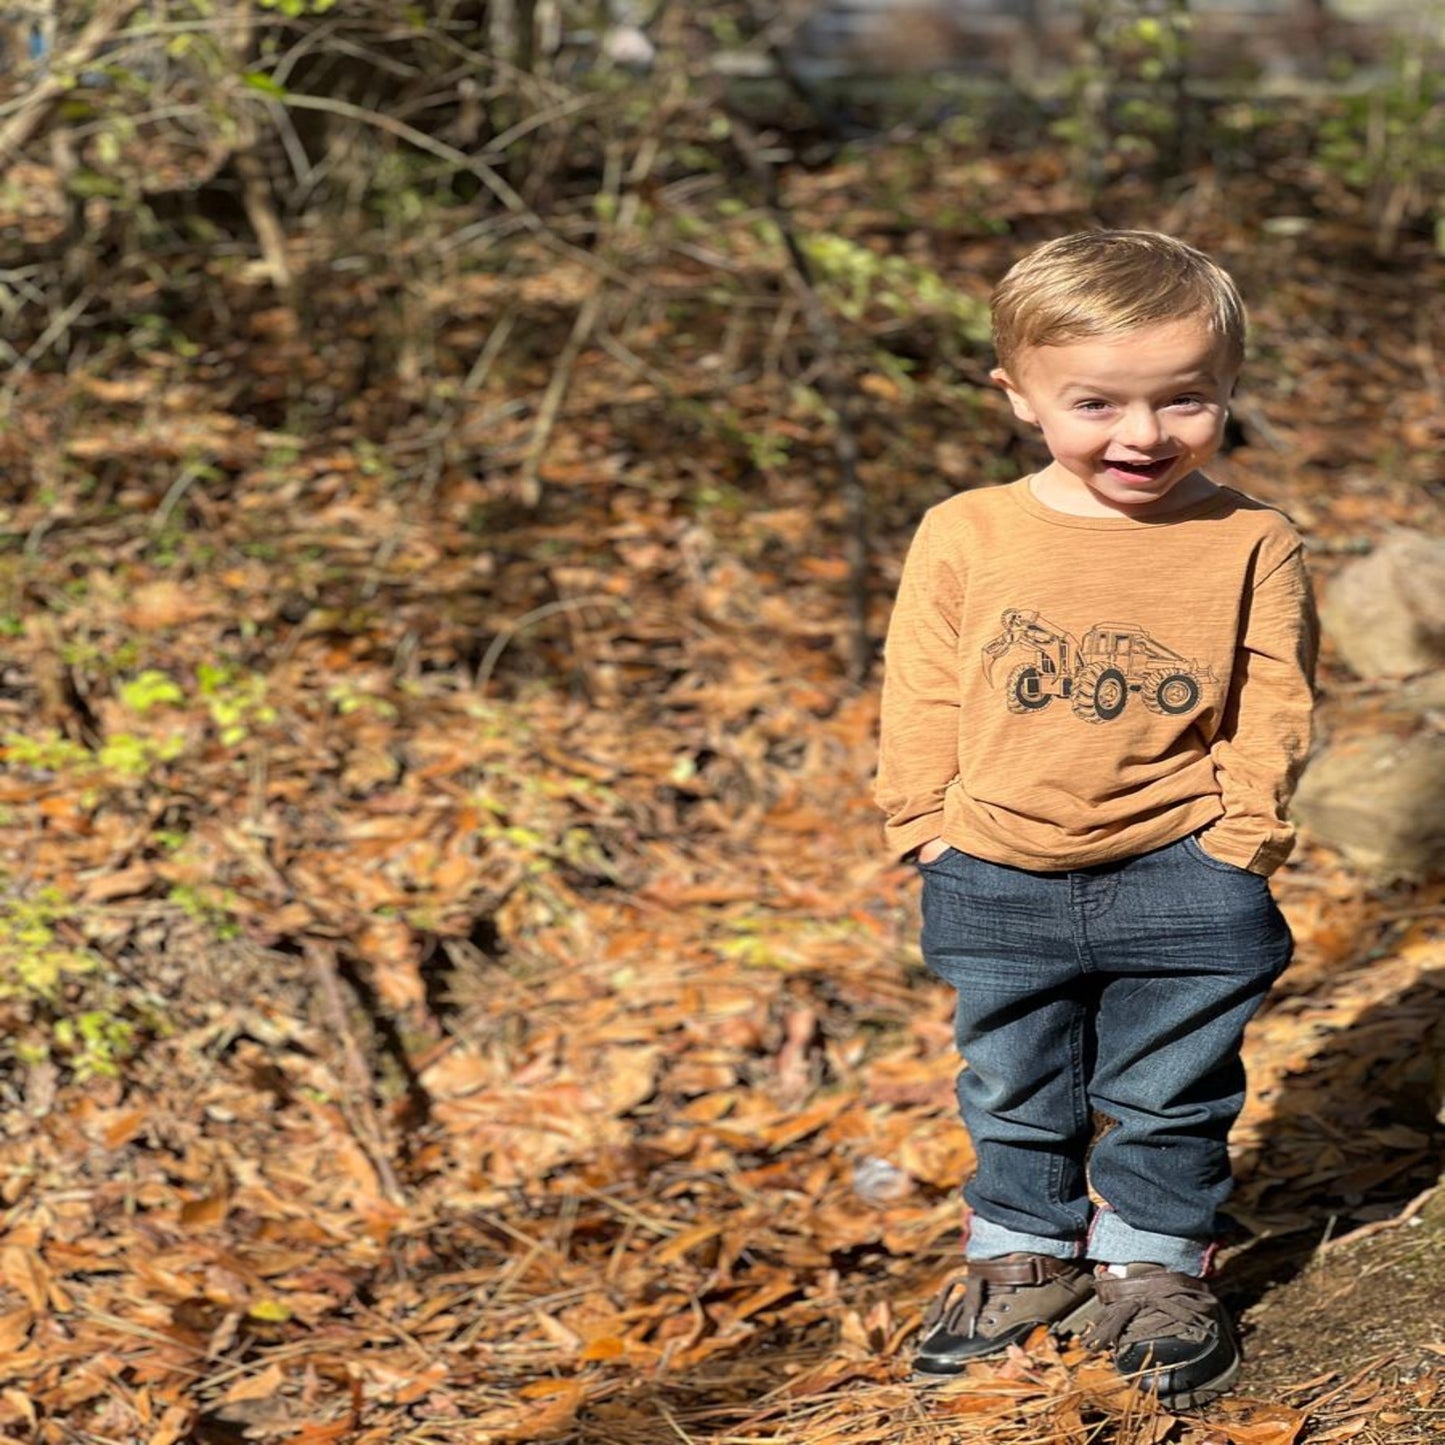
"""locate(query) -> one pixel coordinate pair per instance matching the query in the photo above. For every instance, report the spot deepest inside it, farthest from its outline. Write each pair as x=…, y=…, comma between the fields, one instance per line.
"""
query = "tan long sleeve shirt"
x=1061, y=691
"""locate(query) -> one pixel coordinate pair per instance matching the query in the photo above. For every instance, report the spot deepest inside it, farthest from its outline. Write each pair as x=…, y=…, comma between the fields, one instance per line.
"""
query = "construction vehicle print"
x=1095, y=675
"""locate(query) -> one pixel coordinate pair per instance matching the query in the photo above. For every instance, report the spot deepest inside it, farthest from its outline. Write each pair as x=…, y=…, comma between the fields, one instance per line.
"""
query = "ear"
x=1016, y=398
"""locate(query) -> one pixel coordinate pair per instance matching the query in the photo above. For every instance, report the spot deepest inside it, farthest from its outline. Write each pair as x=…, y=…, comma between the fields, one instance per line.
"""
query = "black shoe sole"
x=1072, y=1323
x=1191, y=1399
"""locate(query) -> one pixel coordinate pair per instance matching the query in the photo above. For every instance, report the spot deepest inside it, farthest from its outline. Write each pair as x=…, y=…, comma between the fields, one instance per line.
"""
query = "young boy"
x=1096, y=702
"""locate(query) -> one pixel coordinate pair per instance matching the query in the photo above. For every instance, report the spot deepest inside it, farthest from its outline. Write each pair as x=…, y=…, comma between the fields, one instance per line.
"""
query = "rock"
x=1385, y=613
x=627, y=46
x=1380, y=800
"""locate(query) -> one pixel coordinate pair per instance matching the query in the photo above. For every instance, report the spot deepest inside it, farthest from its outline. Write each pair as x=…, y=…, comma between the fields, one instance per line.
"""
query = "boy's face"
x=1126, y=418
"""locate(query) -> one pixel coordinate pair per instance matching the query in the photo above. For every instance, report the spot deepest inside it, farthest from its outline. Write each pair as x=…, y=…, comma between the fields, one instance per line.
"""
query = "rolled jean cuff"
x=987, y=1240
x=1112, y=1241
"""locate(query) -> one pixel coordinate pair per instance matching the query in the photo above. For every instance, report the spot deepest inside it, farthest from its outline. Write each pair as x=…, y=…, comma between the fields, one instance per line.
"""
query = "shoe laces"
x=981, y=1296
x=1157, y=1307
x=959, y=1308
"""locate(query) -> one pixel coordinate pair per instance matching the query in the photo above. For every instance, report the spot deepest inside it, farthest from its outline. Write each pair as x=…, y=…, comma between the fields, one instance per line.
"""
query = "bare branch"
x=18, y=130
x=424, y=142
x=835, y=388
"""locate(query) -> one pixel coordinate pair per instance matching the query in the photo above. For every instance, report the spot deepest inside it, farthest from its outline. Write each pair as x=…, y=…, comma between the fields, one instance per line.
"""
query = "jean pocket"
x=949, y=851
x=1196, y=850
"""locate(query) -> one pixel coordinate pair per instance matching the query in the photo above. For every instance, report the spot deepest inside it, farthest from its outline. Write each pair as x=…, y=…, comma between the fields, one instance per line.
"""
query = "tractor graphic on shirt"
x=1096, y=675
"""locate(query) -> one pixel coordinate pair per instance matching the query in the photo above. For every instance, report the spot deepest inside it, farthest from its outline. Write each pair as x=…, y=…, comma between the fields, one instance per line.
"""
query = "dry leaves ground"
x=460, y=994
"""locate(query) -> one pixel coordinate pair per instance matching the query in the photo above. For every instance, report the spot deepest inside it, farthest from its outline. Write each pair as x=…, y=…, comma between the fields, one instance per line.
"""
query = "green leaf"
x=259, y=80
x=152, y=688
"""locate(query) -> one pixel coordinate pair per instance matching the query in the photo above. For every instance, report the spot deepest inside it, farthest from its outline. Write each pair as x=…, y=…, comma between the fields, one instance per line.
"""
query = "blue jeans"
x=1120, y=993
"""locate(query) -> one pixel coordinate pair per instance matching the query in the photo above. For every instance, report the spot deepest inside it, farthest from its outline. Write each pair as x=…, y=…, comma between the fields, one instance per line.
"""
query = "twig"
x=537, y=614
x=191, y=472
x=620, y=351
x=835, y=391
x=491, y=349
x=422, y=141
x=665, y=1227
x=356, y=1104
x=625, y=208
x=57, y=328
x=530, y=484
x=1408, y=1215
x=497, y=146
x=261, y=212
x=18, y=130
x=1313, y=1406
x=671, y=1418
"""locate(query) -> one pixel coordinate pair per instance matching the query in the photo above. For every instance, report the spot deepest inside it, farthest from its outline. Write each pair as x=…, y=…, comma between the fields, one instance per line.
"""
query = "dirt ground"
x=1363, y=1321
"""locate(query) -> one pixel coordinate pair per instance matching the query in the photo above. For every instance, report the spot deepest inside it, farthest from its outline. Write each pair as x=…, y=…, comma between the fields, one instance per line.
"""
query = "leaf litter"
x=527, y=1042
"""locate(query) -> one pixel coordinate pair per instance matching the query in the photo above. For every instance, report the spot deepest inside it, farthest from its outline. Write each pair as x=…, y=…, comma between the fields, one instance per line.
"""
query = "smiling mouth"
x=1146, y=470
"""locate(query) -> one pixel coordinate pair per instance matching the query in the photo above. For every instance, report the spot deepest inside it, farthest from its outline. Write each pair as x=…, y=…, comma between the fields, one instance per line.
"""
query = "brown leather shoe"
x=997, y=1303
x=1167, y=1332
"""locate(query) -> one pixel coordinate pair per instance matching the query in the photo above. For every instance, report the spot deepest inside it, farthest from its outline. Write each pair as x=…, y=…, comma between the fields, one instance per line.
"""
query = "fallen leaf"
x=260, y=1386
x=23, y=1269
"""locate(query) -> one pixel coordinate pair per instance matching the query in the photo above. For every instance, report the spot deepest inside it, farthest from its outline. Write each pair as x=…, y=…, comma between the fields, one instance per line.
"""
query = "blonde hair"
x=1100, y=283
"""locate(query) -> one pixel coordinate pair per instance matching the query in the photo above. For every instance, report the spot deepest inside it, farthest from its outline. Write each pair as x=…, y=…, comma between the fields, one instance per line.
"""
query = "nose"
x=1140, y=427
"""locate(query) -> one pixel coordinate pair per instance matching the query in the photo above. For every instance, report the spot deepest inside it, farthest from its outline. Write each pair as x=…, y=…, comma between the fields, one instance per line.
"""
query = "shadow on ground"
x=1352, y=1142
